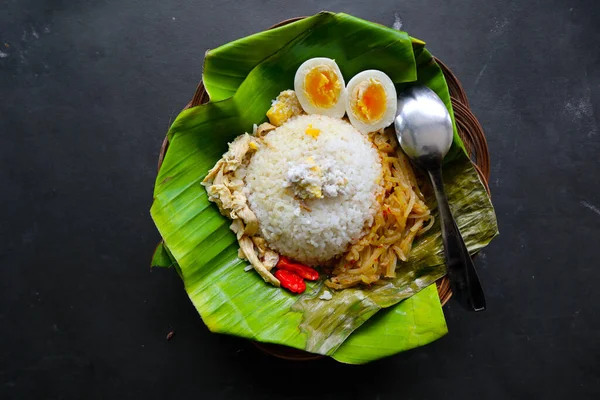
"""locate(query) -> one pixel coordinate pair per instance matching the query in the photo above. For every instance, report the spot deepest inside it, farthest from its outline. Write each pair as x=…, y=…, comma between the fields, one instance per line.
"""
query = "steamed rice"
x=314, y=230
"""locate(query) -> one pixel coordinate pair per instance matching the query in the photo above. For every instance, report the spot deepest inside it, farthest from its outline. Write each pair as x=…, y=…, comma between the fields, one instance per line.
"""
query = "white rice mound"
x=316, y=236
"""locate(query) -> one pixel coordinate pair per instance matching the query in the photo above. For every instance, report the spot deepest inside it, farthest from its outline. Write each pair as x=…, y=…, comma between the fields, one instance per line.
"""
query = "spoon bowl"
x=423, y=125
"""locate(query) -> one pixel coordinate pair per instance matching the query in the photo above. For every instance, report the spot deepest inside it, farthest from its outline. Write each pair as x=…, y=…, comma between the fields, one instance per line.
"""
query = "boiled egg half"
x=320, y=87
x=371, y=101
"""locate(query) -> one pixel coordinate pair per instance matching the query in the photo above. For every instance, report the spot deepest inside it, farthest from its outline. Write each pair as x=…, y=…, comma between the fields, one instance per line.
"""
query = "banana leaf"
x=161, y=257
x=226, y=68
x=414, y=322
x=198, y=238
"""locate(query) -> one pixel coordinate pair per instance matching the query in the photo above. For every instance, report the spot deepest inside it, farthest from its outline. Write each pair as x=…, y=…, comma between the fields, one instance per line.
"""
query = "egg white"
x=390, y=97
x=339, y=107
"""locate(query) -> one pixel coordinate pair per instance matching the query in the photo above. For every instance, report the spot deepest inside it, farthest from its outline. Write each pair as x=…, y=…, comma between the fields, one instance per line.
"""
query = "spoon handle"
x=463, y=277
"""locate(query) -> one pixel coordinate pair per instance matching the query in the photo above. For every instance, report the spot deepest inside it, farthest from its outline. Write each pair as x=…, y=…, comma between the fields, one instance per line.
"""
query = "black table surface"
x=87, y=91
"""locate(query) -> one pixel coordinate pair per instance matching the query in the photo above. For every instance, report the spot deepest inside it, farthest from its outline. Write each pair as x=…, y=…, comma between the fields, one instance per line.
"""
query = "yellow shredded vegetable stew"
x=323, y=189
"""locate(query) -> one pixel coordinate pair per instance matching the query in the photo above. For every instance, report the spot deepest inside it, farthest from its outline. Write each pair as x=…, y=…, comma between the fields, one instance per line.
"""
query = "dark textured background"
x=87, y=90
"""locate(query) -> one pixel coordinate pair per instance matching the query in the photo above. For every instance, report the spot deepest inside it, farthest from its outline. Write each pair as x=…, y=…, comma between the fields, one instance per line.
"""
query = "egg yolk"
x=369, y=101
x=314, y=132
x=322, y=86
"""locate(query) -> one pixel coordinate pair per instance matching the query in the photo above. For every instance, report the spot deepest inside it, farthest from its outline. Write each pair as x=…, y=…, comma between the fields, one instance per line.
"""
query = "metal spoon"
x=424, y=130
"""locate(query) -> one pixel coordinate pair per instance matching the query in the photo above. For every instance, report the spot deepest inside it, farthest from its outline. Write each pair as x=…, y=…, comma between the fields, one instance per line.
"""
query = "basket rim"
x=470, y=131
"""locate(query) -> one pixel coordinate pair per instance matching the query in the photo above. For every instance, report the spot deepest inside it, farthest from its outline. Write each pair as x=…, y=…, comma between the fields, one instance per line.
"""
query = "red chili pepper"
x=302, y=270
x=290, y=281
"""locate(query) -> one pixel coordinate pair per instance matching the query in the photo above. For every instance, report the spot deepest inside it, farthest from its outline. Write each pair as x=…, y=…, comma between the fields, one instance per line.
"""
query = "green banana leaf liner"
x=357, y=325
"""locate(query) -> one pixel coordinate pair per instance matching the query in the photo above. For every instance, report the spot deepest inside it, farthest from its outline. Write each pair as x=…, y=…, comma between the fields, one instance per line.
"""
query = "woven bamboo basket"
x=469, y=129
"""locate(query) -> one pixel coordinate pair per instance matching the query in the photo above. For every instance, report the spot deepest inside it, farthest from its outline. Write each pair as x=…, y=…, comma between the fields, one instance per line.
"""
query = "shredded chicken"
x=225, y=189
x=248, y=248
x=264, y=128
x=214, y=171
x=269, y=257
